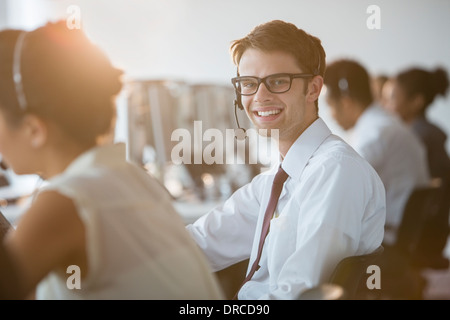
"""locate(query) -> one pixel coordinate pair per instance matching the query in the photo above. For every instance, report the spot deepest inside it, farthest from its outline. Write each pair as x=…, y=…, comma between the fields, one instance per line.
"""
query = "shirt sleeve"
x=226, y=233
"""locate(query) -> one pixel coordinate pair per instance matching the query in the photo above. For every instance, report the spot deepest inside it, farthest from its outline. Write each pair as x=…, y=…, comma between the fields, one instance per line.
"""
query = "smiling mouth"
x=267, y=113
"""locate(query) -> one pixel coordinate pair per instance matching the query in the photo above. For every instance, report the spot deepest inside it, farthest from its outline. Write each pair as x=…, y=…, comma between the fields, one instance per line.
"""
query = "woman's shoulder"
x=428, y=130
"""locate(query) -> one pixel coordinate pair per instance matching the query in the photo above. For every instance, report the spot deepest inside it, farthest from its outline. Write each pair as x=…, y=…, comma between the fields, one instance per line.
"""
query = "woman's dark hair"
x=65, y=78
x=429, y=84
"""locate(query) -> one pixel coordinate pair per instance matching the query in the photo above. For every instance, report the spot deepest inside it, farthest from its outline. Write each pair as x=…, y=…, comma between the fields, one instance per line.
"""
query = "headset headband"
x=17, y=75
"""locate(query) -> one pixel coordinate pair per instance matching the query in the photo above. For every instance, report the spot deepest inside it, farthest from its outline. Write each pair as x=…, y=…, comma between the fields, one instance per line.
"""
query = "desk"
x=192, y=210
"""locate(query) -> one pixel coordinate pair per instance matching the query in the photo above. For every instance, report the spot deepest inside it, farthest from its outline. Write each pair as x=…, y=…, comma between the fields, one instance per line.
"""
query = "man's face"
x=339, y=112
x=290, y=112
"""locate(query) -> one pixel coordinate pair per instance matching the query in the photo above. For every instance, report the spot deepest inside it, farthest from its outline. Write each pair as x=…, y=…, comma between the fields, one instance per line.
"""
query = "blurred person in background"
x=382, y=86
x=388, y=145
x=414, y=91
x=377, y=83
x=97, y=213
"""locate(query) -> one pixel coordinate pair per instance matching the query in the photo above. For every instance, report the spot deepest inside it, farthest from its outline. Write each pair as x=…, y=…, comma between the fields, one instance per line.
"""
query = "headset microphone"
x=239, y=133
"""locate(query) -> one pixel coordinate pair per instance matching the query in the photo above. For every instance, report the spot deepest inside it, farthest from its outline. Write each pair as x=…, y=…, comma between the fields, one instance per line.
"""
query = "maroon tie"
x=277, y=186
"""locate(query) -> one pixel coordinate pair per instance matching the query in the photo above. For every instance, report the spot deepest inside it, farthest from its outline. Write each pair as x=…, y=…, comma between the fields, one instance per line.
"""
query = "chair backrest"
x=351, y=271
x=423, y=203
x=5, y=225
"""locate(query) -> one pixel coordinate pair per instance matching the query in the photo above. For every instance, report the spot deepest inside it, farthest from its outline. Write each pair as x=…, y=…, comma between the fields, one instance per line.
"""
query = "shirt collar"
x=303, y=148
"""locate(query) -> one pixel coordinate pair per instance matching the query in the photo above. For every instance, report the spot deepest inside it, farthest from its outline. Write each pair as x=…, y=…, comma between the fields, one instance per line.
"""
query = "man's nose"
x=263, y=93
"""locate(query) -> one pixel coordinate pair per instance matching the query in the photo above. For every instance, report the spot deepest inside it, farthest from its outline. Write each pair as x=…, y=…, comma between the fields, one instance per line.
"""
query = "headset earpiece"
x=238, y=101
x=239, y=133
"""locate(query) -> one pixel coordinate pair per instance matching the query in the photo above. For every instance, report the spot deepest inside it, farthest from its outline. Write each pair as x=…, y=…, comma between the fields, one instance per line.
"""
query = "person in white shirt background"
x=332, y=204
x=382, y=139
x=97, y=213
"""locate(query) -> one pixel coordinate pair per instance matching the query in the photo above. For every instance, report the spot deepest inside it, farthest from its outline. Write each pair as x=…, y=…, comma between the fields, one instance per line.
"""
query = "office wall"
x=189, y=39
x=3, y=14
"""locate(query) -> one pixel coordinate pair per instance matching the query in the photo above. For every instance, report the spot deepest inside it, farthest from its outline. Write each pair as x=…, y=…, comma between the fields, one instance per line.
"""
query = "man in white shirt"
x=383, y=140
x=332, y=204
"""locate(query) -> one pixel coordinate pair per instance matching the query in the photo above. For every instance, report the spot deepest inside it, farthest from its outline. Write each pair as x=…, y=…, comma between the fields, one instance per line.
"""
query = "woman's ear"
x=314, y=88
x=417, y=103
x=36, y=130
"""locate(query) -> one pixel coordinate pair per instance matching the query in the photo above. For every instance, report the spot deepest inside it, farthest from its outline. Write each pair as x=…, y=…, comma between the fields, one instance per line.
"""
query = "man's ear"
x=36, y=130
x=314, y=88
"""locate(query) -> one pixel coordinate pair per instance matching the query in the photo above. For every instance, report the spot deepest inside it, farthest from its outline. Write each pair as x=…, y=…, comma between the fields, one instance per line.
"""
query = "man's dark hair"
x=348, y=78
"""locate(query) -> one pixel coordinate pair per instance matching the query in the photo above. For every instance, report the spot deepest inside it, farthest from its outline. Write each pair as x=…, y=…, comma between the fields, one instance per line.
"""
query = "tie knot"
x=280, y=177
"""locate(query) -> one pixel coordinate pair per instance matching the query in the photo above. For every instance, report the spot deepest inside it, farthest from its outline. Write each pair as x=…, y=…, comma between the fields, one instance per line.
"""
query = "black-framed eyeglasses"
x=275, y=83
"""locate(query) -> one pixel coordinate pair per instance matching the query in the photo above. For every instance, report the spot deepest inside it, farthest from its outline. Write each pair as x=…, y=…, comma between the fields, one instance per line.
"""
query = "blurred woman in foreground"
x=101, y=228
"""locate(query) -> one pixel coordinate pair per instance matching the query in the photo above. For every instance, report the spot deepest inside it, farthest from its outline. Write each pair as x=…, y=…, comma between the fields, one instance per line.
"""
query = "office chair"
x=348, y=280
x=401, y=279
x=423, y=204
x=429, y=249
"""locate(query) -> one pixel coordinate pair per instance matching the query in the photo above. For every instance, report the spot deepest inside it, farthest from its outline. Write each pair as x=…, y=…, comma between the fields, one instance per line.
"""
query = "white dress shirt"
x=332, y=206
x=137, y=245
x=396, y=154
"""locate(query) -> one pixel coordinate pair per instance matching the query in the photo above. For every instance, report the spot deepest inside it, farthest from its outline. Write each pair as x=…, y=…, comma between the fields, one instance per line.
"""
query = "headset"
x=343, y=86
x=17, y=73
x=238, y=102
x=239, y=133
